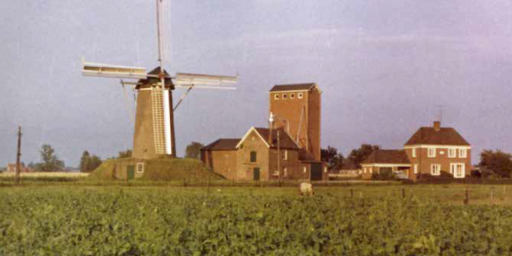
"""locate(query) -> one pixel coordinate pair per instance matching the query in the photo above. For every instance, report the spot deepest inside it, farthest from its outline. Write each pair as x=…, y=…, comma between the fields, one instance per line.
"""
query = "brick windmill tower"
x=154, y=134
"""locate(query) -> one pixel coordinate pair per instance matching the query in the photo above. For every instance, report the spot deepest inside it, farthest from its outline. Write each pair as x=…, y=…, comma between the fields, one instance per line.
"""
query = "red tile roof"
x=285, y=142
x=292, y=87
x=222, y=144
x=387, y=156
x=429, y=136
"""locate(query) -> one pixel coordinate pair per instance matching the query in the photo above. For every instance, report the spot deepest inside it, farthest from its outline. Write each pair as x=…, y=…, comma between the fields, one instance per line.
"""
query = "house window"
x=431, y=152
x=253, y=156
x=458, y=170
x=140, y=167
x=413, y=152
x=285, y=155
x=452, y=152
x=463, y=153
x=292, y=96
x=285, y=96
x=435, y=169
x=305, y=169
x=415, y=169
x=285, y=172
x=300, y=95
x=276, y=96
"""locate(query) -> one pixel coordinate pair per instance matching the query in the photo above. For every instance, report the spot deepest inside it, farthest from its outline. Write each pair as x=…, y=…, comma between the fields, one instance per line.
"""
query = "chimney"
x=437, y=126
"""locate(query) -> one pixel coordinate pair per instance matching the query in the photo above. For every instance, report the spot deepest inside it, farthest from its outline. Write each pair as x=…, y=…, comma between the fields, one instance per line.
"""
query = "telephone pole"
x=18, y=156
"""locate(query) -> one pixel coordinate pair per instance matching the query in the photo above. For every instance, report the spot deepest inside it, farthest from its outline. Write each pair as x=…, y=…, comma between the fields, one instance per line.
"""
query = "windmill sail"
x=114, y=71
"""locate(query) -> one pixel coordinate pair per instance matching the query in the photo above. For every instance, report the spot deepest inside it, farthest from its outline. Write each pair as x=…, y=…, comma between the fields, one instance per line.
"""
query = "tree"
x=125, y=154
x=84, y=161
x=193, y=150
x=496, y=163
x=51, y=162
x=333, y=159
x=357, y=156
x=89, y=163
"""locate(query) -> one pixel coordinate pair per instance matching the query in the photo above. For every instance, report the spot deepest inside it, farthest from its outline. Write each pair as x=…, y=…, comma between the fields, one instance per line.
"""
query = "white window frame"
x=415, y=168
x=140, y=167
x=452, y=152
x=435, y=169
x=285, y=96
x=413, y=152
x=285, y=155
x=285, y=172
x=305, y=169
x=463, y=152
x=431, y=152
x=300, y=95
x=453, y=170
x=276, y=96
x=292, y=96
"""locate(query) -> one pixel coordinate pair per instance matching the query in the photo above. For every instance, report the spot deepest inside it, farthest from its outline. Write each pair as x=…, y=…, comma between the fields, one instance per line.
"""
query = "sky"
x=386, y=68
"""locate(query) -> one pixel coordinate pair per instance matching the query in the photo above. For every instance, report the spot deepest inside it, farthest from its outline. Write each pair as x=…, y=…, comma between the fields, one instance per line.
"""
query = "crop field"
x=354, y=220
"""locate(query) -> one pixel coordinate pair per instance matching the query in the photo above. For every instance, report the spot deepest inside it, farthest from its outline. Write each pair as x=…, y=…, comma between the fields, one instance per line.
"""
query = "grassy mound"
x=105, y=171
x=163, y=169
x=178, y=169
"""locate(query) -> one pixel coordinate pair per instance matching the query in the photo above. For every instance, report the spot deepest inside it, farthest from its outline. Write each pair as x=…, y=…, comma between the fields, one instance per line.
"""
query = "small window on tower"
x=300, y=95
x=292, y=96
x=285, y=96
x=276, y=96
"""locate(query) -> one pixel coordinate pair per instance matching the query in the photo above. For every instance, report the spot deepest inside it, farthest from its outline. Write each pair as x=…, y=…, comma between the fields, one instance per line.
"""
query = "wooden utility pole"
x=18, y=157
x=279, y=159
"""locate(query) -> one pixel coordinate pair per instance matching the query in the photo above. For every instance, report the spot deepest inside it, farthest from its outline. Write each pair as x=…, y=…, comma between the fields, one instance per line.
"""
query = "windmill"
x=154, y=119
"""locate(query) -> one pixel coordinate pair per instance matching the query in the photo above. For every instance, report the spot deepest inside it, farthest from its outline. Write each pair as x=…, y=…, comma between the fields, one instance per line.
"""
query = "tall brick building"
x=297, y=108
x=288, y=149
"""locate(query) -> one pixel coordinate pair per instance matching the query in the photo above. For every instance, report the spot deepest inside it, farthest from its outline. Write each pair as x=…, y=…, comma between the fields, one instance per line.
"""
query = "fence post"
x=466, y=200
x=403, y=192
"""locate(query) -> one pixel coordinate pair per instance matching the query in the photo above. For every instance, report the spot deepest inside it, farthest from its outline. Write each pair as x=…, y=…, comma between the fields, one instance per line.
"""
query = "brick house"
x=380, y=160
x=288, y=149
x=431, y=150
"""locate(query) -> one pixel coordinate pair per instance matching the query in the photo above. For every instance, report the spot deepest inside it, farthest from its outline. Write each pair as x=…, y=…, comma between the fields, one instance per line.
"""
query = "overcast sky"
x=385, y=67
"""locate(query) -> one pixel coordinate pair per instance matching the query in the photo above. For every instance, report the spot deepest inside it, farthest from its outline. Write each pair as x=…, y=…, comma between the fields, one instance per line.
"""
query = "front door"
x=256, y=173
x=458, y=170
x=316, y=171
x=130, y=172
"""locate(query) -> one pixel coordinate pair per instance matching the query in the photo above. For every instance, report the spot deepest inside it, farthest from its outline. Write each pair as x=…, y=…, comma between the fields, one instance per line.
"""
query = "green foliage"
x=384, y=174
x=89, y=163
x=496, y=163
x=357, y=156
x=117, y=221
x=193, y=150
x=125, y=154
x=50, y=161
x=333, y=159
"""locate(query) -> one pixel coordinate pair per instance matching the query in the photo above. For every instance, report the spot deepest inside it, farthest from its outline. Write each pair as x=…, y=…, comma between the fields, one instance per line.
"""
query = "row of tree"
x=336, y=161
